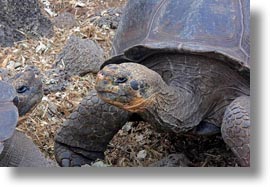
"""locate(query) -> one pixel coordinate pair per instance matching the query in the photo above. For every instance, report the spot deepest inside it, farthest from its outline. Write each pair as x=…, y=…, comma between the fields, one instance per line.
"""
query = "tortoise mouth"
x=104, y=92
x=28, y=104
x=113, y=97
x=111, y=93
x=134, y=104
x=127, y=100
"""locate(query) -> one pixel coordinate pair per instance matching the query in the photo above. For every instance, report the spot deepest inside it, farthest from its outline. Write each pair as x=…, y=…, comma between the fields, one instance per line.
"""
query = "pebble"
x=141, y=154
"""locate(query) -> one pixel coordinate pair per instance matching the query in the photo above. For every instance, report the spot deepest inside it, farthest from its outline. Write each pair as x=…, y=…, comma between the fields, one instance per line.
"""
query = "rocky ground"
x=94, y=22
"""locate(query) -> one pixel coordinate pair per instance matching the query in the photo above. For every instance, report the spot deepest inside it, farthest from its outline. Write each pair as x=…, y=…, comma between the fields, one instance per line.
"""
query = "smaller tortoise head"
x=29, y=90
x=129, y=86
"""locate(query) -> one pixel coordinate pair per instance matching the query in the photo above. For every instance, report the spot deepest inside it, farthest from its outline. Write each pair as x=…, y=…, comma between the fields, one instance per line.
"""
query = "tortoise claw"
x=67, y=158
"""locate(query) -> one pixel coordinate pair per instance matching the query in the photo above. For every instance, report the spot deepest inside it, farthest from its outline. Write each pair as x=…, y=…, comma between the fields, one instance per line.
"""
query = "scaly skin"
x=85, y=135
x=235, y=129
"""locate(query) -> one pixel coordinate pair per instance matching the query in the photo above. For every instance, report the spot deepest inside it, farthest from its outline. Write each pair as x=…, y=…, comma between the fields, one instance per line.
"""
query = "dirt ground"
x=137, y=144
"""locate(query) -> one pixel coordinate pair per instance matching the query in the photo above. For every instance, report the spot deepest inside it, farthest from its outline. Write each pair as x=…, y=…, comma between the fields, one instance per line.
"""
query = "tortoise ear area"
x=144, y=89
x=134, y=85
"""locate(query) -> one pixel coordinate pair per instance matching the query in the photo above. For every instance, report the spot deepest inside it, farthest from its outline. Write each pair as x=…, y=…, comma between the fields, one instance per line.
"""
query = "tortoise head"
x=29, y=90
x=17, y=97
x=130, y=86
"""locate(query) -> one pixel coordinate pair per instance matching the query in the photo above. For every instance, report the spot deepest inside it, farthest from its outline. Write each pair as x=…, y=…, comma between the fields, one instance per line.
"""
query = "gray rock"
x=8, y=35
x=65, y=20
x=4, y=74
x=54, y=80
x=34, y=69
x=19, y=18
x=80, y=56
x=108, y=18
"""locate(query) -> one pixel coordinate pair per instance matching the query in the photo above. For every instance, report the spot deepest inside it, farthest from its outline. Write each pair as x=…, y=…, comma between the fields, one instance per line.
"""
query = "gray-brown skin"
x=182, y=66
x=17, y=97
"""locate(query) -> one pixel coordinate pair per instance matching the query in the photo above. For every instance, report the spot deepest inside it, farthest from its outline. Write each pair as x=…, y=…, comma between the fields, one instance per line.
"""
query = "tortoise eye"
x=22, y=89
x=120, y=80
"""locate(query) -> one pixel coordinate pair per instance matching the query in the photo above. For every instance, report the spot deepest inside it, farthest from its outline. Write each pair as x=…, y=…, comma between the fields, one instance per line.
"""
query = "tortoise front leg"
x=85, y=135
x=236, y=129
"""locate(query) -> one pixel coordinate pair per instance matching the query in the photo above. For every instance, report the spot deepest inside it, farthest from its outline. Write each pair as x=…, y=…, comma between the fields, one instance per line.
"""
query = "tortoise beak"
x=102, y=82
x=16, y=101
x=100, y=75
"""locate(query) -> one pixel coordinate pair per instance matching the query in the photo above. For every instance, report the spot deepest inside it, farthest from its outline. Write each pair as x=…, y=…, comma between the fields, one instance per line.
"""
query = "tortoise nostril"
x=100, y=75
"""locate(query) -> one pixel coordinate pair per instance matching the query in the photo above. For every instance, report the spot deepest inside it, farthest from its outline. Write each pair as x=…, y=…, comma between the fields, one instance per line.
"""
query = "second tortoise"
x=18, y=95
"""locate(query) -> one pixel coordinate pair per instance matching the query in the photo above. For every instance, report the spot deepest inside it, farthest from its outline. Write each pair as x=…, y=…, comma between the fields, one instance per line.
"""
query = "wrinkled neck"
x=171, y=109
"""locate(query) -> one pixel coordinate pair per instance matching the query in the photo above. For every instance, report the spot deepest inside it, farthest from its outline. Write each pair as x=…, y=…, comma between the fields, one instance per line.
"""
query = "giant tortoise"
x=18, y=95
x=183, y=66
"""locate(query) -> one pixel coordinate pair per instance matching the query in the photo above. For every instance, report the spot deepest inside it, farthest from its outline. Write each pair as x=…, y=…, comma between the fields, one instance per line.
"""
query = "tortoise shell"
x=217, y=29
